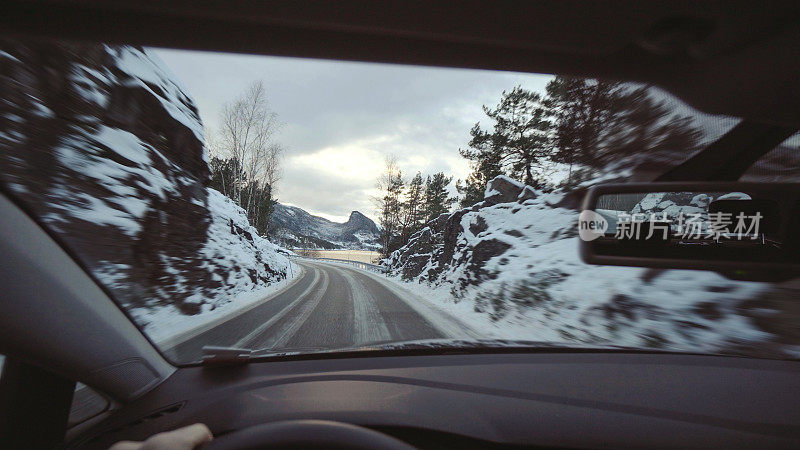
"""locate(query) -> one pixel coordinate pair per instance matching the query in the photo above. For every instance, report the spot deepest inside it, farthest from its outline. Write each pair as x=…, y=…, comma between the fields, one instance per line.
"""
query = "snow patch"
x=533, y=285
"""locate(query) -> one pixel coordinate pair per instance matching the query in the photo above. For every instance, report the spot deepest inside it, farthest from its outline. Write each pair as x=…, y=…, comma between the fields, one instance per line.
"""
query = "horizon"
x=341, y=119
x=347, y=217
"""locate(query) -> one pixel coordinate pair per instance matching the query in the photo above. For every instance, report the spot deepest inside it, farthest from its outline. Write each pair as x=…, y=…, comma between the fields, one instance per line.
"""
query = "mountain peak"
x=359, y=222
x=359, y=232
x=357, y=216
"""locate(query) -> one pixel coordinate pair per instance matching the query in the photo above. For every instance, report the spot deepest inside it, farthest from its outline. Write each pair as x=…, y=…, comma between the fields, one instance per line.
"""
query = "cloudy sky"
x=339, y=119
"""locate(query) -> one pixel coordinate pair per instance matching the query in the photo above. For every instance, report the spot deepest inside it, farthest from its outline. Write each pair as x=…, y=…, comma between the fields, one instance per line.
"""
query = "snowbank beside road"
x=510, y=267
x=243, y=269
x=167, y=326
x=105, y=148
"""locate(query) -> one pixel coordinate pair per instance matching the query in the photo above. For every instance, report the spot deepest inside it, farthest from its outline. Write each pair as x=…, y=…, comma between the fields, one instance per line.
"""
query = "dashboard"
x=587, y=400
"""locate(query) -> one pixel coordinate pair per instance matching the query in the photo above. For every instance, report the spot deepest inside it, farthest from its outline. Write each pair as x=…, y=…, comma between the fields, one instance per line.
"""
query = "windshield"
x=293, y=206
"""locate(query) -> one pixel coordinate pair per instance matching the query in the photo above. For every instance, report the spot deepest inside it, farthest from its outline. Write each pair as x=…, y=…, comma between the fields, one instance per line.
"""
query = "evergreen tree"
x=255, y=196
x=519, y=143
x=225, y=173
x=261, y=204
x=601, y=122
x=580, y=110
x=485, y=165
x=390, y=206
x=470, y=190
x=437, y=199
x=413, y=215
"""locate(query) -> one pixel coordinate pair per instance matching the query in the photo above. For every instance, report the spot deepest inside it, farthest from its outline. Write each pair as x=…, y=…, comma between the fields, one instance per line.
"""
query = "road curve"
x=331, y=306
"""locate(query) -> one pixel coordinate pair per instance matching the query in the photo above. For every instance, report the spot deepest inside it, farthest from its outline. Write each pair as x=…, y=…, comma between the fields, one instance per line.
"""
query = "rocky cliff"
x=105, y=148
x=297, y=228
x=513, y=261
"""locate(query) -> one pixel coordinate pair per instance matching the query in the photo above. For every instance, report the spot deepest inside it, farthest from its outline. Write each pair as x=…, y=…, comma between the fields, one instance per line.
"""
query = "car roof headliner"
x=732, y=57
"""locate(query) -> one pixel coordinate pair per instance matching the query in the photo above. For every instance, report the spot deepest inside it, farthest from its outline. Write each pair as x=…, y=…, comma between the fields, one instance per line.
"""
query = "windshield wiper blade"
x=225, y=356
x=232, y=356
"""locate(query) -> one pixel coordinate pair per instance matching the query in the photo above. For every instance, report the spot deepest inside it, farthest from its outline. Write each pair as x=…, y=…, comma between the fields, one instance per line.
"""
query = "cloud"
x=340, y=119
x=332, y=197
x=356, y=160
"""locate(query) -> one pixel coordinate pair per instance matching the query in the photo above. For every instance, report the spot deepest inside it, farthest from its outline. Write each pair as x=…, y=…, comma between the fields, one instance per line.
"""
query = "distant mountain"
x=295, y=227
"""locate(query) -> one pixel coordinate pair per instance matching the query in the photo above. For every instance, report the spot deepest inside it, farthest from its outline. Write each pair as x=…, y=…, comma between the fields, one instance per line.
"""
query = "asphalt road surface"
x=329, y=306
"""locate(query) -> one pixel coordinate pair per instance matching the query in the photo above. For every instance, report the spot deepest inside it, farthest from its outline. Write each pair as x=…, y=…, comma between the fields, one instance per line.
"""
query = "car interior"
x=59, y=326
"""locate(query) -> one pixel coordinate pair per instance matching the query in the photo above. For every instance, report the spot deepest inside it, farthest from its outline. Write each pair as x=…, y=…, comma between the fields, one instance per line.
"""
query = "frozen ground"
x=515, y=273
x=248, y=262
x=167, y=323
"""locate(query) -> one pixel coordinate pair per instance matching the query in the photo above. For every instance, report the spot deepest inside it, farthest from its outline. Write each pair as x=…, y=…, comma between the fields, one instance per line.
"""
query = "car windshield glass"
x=291, y=206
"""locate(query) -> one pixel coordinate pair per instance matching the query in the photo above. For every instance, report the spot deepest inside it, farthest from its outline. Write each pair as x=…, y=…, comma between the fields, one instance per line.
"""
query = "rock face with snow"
x=295, y=227
x=514, y=259
x=105, y=147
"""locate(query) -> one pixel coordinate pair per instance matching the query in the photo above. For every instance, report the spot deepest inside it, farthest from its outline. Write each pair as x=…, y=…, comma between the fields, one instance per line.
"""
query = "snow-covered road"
x=331, y=306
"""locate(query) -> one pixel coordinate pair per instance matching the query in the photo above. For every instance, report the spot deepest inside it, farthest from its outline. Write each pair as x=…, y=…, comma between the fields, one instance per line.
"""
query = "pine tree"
x=601, y=122
x=437, y=199
x=390, y=206
x=581, y=110
x=413, y=215
x=519, y=143
x=224, y=175
x=485, y=166
x=255, y=196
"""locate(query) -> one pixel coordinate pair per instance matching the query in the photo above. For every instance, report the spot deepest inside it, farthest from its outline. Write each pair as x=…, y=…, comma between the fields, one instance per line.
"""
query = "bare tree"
x=246, y=141
x=389, y=204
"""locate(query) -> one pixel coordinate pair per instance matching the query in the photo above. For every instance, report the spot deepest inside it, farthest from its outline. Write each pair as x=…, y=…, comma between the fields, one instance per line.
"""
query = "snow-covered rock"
x=501, y=189
x=515, y=266
x=106, y=148
x=296, y=227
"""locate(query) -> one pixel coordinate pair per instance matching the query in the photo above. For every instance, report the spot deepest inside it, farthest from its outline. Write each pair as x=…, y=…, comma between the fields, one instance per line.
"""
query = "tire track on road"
x=245, y=341
x=331, y=323
x=446, y=324
x=279, y=331
x=403, y=322
x=331, y=307
x=369, y=324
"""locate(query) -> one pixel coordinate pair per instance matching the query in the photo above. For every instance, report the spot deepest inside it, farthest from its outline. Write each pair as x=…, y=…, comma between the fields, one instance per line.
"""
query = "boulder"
x=502, y=189
x=527, y=194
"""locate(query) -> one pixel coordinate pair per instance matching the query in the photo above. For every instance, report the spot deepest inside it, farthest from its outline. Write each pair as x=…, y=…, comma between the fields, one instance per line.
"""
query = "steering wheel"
x=306, y=434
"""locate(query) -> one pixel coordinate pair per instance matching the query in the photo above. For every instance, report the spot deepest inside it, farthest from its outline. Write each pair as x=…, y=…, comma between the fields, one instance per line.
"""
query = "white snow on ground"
x=237, y=256
x=166, y=322
x=541, y=291
x=222, y=244
x=125, y=188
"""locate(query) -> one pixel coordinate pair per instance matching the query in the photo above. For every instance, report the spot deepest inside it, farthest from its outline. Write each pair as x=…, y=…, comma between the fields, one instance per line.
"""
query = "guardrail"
x=358, y=264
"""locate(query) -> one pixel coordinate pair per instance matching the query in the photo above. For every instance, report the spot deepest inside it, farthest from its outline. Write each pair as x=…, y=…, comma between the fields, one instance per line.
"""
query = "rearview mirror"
x=745, y=230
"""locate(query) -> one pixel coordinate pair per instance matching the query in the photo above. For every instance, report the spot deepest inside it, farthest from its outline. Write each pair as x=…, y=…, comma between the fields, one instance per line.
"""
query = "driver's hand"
x=185, y=438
